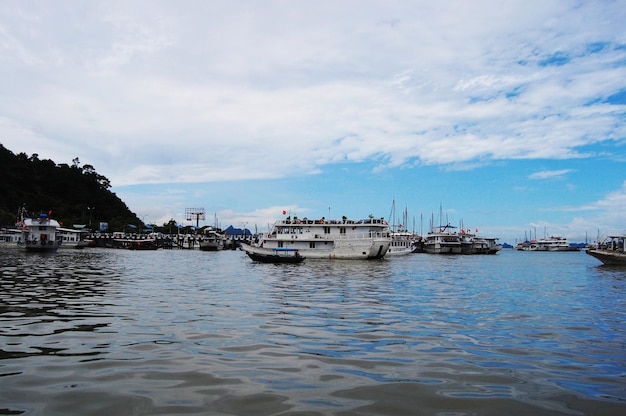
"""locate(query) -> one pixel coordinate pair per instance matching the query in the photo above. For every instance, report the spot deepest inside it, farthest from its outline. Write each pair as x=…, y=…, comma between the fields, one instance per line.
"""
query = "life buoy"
x=43, y=243
x=49, y=243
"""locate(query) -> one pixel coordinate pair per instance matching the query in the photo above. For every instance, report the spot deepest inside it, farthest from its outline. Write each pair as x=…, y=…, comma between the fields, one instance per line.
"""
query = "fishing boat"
x=611, y=251
x=329, y=239
x=39, y=234
x=275, y=255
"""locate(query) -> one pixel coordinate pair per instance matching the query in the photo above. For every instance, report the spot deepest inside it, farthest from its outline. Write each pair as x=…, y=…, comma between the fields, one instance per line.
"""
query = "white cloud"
x=397, y=81
x=550, y=174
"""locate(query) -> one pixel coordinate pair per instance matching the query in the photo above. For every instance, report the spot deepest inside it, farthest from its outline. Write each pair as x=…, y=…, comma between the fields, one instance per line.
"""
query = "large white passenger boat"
x=329, y=239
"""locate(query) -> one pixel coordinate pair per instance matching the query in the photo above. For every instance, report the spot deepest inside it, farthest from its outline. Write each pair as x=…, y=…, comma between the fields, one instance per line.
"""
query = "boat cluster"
x=293, y=240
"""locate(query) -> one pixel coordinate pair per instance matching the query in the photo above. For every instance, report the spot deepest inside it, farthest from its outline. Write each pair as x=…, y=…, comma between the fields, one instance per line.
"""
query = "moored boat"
x=330, y=239
x=39, y=234
x=275, y=255
x=402, y=242
x=9, y=237
x=212, y=240
x=473, y=244
x=442, y=241
x=552, y=243
x=71, y=238
x=611, y=251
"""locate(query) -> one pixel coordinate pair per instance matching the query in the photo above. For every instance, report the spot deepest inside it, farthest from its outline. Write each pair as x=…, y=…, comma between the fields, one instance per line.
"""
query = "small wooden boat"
x=272, y=255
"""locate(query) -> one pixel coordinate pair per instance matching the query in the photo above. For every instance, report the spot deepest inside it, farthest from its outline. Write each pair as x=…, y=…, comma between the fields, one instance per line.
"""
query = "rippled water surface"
x=115, y=332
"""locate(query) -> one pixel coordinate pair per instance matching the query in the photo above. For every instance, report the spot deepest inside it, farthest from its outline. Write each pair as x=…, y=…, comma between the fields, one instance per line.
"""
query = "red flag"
x=477, y=230
x=284, y=212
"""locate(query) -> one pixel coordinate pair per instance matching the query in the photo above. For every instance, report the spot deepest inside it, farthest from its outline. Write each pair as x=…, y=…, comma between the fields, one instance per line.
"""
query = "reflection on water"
x=186, y=332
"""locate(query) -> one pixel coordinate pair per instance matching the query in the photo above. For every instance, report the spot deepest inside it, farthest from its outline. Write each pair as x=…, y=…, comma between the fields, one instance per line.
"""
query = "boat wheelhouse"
x=330, y=239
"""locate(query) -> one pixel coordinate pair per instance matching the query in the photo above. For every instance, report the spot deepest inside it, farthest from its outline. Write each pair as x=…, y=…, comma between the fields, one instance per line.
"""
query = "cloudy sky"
x=508, y=116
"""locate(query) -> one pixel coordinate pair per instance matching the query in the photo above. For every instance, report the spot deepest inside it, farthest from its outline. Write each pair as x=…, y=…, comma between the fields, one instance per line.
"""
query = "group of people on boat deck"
x=615, y=245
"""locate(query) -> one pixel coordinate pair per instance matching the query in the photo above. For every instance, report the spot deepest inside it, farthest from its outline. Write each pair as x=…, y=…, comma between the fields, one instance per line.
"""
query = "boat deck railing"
x=329, y=237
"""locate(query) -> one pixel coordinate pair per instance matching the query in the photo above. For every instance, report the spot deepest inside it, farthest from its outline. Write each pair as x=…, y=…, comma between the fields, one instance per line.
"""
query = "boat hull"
x=609, y=257
x=365, y=249
x=39, y=247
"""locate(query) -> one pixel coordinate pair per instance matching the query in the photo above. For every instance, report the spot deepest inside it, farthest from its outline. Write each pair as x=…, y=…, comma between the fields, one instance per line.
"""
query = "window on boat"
x=342, y=230
x=312, y=244
x=326, y=230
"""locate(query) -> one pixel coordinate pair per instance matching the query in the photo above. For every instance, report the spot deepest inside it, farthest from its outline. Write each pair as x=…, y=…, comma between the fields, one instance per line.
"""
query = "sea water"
x=180, y=332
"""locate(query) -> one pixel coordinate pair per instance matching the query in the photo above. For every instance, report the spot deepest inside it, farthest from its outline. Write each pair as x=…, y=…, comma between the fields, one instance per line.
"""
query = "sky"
x=503, y=116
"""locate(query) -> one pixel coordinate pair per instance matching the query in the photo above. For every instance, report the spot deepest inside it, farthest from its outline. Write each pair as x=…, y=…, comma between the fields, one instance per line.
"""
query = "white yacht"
x=328, y=239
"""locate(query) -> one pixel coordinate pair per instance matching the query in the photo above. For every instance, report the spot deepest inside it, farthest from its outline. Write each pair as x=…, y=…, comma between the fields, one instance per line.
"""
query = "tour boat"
x=442, y=241
x=402, y=242
x=330, y=239
x=473, y=244
x=553, y=243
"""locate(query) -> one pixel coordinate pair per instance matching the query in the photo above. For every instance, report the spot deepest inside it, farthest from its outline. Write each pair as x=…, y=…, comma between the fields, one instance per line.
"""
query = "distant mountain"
x=75, y=194
x=231, y=231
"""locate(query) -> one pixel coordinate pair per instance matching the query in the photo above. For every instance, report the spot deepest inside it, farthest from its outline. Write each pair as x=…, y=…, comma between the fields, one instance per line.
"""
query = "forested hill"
x=75, y=194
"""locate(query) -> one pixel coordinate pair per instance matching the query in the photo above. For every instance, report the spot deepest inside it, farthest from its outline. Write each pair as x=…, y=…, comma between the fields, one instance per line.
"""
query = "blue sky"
x=510, y=116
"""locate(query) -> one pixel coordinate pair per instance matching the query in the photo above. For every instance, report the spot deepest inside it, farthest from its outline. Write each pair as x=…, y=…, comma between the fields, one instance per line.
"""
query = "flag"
x=477, y=230
x=284, y=212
